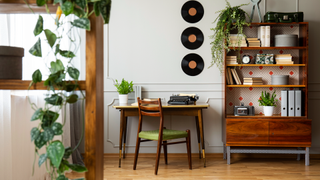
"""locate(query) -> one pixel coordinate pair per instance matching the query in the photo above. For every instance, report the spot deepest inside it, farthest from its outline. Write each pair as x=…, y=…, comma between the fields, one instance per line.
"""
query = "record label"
x=192, y=38
x=192, y=11
x=192, y=64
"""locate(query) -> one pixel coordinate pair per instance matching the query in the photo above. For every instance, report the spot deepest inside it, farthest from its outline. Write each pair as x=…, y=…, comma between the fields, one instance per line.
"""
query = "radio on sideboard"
x=243, y=110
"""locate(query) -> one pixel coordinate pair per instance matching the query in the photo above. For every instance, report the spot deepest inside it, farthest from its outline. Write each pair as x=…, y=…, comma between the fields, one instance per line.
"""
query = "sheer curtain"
x=16, y=148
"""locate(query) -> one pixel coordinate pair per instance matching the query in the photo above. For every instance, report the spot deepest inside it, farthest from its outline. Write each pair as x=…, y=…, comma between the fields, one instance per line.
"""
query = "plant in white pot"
x=124, y=88
x=268, y=102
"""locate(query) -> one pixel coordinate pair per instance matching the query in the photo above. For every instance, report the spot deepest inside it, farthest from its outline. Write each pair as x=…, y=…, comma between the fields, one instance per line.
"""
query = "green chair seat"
x=167, y=134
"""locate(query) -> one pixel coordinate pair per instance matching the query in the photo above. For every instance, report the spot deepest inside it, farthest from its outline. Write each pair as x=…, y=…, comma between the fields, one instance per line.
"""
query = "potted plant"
x=124, y=88
x=60, y=89
x=268, y=102
x=230, y=18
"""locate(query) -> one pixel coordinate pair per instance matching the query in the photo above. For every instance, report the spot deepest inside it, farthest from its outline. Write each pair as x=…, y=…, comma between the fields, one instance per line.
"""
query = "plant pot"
x=123, y=98
x=11, y=62
x=268, y=110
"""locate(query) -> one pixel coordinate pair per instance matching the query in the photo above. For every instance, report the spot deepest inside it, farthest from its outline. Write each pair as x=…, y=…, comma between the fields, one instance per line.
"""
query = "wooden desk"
x=178, y=110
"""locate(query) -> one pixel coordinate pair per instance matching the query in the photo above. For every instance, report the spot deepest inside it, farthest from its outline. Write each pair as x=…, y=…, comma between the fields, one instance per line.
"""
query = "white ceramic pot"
x=268, y=110
x=123, y=98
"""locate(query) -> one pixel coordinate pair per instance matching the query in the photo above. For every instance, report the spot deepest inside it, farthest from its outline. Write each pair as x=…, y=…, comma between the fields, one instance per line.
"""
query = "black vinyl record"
x=192, y=38
x=192, y=11
x=192, y=64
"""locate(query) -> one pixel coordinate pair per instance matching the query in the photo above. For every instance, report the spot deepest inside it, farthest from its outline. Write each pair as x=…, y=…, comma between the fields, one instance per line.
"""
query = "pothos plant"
x=230, y=18
x=60, y=91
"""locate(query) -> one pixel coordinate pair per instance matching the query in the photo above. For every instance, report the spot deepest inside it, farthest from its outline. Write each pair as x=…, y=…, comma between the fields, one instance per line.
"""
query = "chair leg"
x=165, y=152
x=189, y=149
x=136, y=154
x=158, y=156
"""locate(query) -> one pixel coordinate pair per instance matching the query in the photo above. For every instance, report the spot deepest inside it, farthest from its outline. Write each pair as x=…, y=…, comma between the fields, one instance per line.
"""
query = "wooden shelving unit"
x=93, y=86
x=269, y=131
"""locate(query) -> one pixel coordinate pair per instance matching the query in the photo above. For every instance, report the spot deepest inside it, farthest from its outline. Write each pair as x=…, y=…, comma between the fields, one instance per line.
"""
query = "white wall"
x=142, y=44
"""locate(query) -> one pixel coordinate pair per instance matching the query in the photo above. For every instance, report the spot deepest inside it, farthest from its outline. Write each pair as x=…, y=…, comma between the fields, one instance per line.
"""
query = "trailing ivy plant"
x=230, y=18
x=60, y=91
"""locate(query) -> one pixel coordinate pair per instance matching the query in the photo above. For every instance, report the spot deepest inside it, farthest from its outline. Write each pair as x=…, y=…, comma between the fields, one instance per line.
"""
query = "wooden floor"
x=245, y=168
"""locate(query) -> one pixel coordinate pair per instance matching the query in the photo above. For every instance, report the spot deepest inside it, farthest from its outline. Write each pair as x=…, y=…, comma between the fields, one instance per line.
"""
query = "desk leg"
x=202, y=136
x=125, y=137
x=198, y=136
x=121, y=134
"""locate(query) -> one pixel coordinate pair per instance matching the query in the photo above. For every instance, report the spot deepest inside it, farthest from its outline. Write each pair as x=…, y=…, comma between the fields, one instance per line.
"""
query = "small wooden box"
x=11, y=62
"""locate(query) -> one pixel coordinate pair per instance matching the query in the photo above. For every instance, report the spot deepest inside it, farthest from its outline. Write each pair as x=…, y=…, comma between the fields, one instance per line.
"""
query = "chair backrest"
x=150, y=108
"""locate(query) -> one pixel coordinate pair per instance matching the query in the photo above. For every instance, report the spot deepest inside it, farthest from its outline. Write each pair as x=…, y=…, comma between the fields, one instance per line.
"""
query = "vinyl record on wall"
x=192, y=38
x=192, y=11
x=192, y=64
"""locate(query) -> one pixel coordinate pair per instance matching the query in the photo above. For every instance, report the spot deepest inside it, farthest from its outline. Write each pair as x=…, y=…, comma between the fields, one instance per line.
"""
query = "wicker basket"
x=11, y=62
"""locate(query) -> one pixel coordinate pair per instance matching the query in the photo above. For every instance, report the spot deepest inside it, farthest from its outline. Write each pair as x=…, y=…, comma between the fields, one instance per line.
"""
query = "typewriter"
x=183, y=99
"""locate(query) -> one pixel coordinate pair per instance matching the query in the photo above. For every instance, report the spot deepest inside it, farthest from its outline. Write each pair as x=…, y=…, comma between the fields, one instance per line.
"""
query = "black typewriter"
x=183, y=99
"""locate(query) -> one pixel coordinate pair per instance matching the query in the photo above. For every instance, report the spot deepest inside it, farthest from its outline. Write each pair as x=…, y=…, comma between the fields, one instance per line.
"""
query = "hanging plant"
x=60, y=91
x=230, y=18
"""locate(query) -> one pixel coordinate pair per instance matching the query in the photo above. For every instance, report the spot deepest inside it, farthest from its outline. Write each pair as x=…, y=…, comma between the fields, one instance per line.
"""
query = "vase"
x=123, y=98
x=268, y=110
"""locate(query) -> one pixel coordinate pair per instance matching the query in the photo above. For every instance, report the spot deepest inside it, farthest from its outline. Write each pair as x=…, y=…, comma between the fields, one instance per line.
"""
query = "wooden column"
x=94, y=100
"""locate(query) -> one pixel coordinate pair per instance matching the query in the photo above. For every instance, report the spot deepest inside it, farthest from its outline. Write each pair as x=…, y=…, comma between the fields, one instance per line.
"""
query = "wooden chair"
x=154, y=108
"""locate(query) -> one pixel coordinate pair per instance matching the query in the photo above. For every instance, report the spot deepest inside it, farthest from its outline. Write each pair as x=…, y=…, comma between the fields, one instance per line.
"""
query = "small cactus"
x=267, y=100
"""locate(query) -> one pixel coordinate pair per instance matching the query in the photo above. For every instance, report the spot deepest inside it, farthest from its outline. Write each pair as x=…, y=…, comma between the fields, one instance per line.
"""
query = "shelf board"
x=23, y=85
x=269, y=85
x=261, y=116
x=268, y=48
x=274, y=23
x=266, y=65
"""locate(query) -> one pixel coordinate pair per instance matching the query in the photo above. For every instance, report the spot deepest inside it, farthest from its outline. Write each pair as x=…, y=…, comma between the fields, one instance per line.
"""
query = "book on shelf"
x=284, y=62
x=227, y=77
x=253, y=39
x=283, y=59
x=245, y=83
x=235, y=76
x=264, y=35
x=253, y=78
x=230, y=76
x=234, y=40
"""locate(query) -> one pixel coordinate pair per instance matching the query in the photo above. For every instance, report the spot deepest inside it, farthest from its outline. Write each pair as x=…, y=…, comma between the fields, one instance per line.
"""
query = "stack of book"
x=253, y=42
x=231, y=60
x=234, y=40
x=232, y=77
x=283, y=59
x=253, y=81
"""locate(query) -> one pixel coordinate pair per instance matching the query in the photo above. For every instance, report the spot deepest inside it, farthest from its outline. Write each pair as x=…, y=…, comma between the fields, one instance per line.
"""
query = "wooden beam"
x=94, y=100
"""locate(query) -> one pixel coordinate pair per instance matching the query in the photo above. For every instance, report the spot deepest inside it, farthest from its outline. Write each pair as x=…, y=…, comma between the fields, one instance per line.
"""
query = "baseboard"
x=216, y=155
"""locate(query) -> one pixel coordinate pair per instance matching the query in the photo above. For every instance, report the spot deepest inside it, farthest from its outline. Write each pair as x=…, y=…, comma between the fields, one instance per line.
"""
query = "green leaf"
x=67, y=54
x=39, y=26
x=73, y=72
x=36, y=76
x=49, y=117
x=77, y=168
x=96, y=8
x=55, y=100
x=67, y=8
x=105, y=8
x=39, y=142
x=37, y=114
x=42, y=159
x=55, y=152
x=57, y=128
x=62, y=177
x=83, y=23
x=72, y=98
x=34, y=133
x=70, y=87
x=56, y=66
x=51, y=37
x=41, y=2
x=78, y=12
x=63, y=167
x=81, y=3
x=68, y=151
x=36, y=49
x=57, y=49
x=57, y=1
x=48, y=134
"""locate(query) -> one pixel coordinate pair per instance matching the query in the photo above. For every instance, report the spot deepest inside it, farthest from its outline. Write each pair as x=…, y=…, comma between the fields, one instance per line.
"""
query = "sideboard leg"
x=224, y=152
x=228, y=155
x=307, y=157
